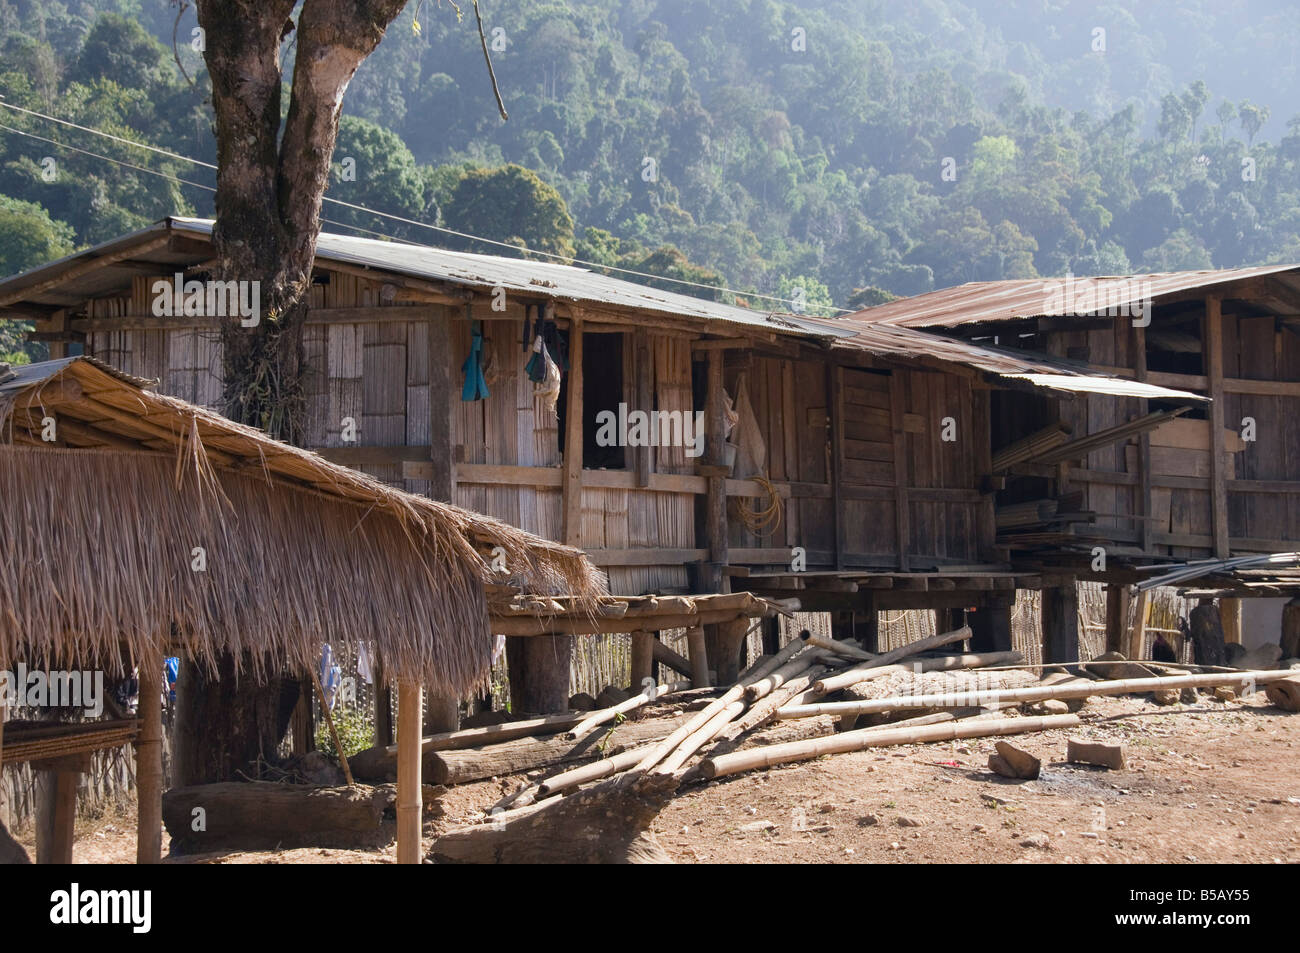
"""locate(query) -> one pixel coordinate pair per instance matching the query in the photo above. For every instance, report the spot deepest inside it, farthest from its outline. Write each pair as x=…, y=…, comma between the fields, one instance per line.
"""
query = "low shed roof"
x=145, y=512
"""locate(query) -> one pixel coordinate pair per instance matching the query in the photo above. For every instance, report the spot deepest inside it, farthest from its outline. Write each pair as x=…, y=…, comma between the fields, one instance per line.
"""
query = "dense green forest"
x=837, y=152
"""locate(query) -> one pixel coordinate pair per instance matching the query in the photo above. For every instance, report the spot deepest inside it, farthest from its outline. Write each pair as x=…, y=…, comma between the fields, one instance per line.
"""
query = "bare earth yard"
x=1212, y=782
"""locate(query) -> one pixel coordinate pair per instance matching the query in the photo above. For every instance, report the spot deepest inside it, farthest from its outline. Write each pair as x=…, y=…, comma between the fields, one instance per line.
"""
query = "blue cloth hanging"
x=475, y=387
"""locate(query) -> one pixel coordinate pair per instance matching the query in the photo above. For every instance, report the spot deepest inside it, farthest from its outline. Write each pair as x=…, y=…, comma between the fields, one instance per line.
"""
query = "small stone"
x=1040, y=841
x=906, y=821
x=754, y=827
x=869, y=820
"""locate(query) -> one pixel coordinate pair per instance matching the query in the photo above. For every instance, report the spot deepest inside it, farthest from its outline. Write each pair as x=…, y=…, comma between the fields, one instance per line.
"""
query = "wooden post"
x=1230, y=615
x=442, y=711
x=56, y=806
x=1060, y=617
x=986, y=518
x=725, y=641
x=539, y=673
x=644, y=402
x=866, y=623
x=572, y=490
x=1290, y=637
x=713, y=579
x=902, y=509
x=409, y=793
x=772, y=635
x=1213, y=352
x=699, y=656
x=383, y=710
x=1117, y=609
x=642, y=658
x=1146, y=527
x=835, y=406
x=148, y=771
x=1135, y=648
x=990, y=629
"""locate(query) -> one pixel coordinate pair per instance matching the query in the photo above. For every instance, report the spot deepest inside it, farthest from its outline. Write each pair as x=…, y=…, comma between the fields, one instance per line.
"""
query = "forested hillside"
x=845, y=148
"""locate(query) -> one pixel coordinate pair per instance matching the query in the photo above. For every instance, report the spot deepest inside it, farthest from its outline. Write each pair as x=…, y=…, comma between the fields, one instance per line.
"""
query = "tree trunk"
x=269, y=193
x=224, y=724
x=270, y=816
x=1207, y=635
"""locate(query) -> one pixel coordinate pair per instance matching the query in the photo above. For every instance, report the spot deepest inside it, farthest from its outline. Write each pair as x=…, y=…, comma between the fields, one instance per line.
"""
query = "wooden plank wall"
x=1115, y=503
x=1258, y=349
x=1254, y=348
x=944, y=527
x=789, y=400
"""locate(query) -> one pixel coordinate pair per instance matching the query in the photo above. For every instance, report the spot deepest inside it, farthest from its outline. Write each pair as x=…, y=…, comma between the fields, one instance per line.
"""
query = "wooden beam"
x=642, y=662
x=1213, y=352
x=73, y=272
x=715, y=521
x=572, y=500
x=646, y=557
x=902, y=509
x=1230, y=616
x=410, y=803
x=149, y=771
x=835, y=401
x=642, y=362
x=1060, y=620
x=1134, y=646
x=1117, y=610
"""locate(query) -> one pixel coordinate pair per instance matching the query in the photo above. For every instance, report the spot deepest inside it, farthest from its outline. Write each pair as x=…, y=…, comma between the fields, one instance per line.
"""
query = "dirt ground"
x=1212, y=782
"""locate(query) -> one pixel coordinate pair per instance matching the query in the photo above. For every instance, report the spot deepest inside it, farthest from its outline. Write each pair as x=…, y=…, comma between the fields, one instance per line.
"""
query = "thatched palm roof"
x=102, y=530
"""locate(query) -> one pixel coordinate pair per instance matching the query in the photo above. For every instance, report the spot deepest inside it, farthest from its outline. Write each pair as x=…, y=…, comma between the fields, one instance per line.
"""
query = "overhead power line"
x=353, y=206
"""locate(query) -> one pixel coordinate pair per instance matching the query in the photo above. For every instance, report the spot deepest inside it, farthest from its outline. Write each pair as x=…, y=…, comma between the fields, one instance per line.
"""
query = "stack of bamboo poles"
x=796, y=683
x=1027, y=448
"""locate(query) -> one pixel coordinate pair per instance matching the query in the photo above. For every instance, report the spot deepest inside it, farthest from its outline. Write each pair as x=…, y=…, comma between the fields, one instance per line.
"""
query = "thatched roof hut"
x=129, y=515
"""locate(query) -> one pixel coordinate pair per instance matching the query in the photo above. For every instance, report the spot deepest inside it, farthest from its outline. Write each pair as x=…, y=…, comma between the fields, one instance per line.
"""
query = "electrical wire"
x=368, y=211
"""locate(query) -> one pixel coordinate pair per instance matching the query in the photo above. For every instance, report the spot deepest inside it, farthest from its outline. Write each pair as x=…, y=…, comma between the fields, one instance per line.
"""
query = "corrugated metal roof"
x=981, y=301
x=907, y=344
x=891, y=340
x=541, y=278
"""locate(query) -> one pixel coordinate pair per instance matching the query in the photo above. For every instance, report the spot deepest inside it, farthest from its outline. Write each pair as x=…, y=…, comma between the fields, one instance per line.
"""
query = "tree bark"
x=226, y=722
x=268, y=200
x=267, y=816
x=1207, y=635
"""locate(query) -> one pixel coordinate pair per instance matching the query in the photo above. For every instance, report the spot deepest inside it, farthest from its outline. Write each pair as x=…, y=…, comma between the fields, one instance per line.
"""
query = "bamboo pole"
x=593, y=771
x=941, y=663
x=409, y=793
x=859, y=673
x=765, y=709
x=1119, y=686
x=839, y=648
x=329, y=721
x=636, y=701
x=729, y=764
x=702, y=717
x=148, y=753
x=700, y=737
